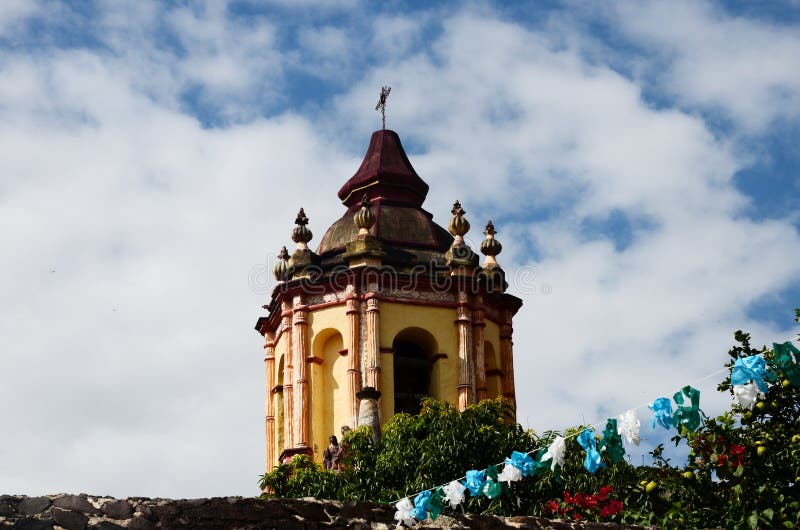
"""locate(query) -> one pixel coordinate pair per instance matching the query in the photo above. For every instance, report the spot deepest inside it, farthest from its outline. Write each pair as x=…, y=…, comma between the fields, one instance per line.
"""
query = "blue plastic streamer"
x=662, y=413
x=592, y=462
x=421, y=505
x=752, y=368
x=521, y=461
x=475, y=480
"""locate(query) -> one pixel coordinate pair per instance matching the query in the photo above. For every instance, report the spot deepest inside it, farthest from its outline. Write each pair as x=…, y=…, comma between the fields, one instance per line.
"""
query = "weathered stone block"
x=8, y=505
x=69, y=519
x=118, y=509
x=34, y=505
x=33, y=524
x=140, y=523
x=78, y=503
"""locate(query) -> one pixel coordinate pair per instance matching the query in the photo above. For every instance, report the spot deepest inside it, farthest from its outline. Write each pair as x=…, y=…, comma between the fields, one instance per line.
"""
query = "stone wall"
x=86, y=511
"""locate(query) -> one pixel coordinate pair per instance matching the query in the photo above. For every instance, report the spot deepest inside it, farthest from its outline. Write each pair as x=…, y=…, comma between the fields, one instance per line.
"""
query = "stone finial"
x=282, y=266
x=300, y=233
x=458, y=226
x=490, y=247
x=365, y=217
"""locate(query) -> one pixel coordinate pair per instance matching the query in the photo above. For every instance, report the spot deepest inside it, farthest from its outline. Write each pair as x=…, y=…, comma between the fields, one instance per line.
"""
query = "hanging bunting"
x=475, y=480
x=612, y=442
x=629, y=427
x=421, y=505
x=787, y=358
x=592, y=462
x=510, y=473
x=752, y=368
x=454, y=493
x=492, y=488
x=523, y=462
x=436, y=503
x=746, y=395
x=555, y=453
x=405, y=512
x=662, y=413
x=687, y=415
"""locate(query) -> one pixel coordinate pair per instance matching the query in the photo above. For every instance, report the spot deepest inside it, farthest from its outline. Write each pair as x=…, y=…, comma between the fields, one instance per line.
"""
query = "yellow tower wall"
x=439, y=322
x=328, y=389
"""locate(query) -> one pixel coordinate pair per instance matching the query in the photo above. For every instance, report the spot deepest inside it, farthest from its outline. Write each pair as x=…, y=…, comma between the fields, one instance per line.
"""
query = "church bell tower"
x=390, y=307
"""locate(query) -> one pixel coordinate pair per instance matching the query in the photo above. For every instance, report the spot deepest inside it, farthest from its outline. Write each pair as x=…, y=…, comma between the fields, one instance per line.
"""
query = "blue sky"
x=638, y=159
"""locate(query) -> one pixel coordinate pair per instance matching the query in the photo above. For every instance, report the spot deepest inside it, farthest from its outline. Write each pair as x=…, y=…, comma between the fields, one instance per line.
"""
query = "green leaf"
x=768, y=513
x=752, y=521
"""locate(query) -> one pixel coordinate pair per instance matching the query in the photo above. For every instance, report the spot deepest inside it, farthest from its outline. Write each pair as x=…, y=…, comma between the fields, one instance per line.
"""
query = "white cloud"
x=717, y=61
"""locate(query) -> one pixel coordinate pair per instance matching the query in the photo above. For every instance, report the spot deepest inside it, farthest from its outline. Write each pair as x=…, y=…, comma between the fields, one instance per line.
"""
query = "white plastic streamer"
x=454, y=493
x=405, y=512
x=509, y=474
x=629, y=426
x=556, y=452
x=746, y=395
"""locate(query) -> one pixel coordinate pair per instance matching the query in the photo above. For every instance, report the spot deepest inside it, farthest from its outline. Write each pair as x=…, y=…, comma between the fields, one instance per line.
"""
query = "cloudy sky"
x=638, y=159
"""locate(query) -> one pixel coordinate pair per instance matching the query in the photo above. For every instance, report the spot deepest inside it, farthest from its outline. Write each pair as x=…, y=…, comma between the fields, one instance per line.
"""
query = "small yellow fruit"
x=759, y=442
x=761, y=450
x=796, y=439
x=785, y=383
x=761, y=405
x=688, y=475
x=775, y=405
x=651, y=486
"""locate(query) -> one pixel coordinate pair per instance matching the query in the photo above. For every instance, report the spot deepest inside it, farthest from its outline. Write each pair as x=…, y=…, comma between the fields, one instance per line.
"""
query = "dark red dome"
x=385, y=174
x=397, y=193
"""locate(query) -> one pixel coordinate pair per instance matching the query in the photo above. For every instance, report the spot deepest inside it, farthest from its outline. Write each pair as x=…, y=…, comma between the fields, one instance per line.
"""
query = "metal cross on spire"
x=381, y=106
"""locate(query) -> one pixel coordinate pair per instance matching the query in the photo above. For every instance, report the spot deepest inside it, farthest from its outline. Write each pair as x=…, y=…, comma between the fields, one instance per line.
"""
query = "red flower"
x=553, y=507
x=604, y=492
x=722, y=460
x=612, y=508
x=589, y=502
x=737, y=455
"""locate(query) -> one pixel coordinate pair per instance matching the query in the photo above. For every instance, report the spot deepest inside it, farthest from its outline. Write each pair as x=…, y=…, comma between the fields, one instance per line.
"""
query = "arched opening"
x=328, y=392
x=494, y=376
x=414, y=349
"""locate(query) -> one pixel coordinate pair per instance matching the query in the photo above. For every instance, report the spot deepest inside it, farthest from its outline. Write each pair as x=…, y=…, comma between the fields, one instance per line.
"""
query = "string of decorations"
x=749, y=378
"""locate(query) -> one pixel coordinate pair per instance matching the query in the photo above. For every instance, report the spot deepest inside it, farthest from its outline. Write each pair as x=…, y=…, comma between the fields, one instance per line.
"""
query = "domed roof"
x=389, y=181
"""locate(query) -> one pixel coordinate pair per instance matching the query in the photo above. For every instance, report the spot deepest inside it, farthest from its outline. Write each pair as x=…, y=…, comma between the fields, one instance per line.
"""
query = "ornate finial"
x=365, y=217
x=381, y=106
x=458, y=225
x=490, y=247
x=282, y=266
x=300, y=233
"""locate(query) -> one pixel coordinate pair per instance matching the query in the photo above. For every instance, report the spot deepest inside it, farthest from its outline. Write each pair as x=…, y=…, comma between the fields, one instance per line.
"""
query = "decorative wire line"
x=594, y=425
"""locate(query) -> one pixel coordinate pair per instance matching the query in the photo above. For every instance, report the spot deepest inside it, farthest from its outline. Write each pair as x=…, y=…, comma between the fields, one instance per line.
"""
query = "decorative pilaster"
x=300, y=352
x=369, y=412
x=507, y=358
x=269, y=409
x=353, y=358
x=288, y=365
x=463, y=322
x=372, y=353
x=479, y=355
